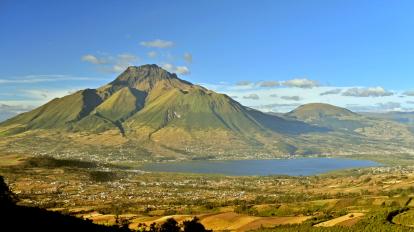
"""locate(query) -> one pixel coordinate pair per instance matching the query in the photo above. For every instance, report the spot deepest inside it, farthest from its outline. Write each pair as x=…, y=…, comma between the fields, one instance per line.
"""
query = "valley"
x=103, y=192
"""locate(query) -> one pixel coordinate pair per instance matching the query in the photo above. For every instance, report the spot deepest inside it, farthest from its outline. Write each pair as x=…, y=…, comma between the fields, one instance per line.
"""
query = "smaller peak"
x=321, y=108
x=318, y=105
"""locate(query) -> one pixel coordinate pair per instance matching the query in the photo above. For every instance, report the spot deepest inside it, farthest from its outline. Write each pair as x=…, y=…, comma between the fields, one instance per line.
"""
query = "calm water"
x=292, y=167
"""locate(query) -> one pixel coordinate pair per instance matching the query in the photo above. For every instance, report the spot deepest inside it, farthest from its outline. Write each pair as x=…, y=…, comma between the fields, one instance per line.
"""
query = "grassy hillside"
x=58, y=113
x=328, y=116
x=148, y=108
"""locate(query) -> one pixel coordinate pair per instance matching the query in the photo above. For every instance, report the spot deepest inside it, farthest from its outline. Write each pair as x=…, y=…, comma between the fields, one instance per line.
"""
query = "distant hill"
x=329, y=116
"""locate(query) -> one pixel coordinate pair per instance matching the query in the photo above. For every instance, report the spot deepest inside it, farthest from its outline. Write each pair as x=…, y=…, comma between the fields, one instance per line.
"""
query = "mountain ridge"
x=147, y=108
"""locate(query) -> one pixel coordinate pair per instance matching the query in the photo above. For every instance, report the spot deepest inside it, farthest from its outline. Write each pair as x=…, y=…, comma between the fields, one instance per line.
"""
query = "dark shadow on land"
x=22, y=218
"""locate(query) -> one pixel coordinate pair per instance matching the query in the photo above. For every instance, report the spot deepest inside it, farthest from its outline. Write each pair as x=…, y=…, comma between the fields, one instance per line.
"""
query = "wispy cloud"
x=29, y=79
x=158, y=43
x=152, y=54
x=367, y=92
x=112, y=64
x=8, y=111
x=44, y=94
x=182, y=70
x=188, y=57
x=93, y=59
x=378, y=107
x=331, y=92
x=409, y=93
x=285, y=95
x=252, y=96
x=269, y=83
x=301, y=83
x=291, y=98
x=276, y=107
x=243, y=83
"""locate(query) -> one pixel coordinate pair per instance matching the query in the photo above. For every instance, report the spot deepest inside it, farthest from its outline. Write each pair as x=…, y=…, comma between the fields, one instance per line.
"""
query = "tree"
x=194, y=226
x=171, y=225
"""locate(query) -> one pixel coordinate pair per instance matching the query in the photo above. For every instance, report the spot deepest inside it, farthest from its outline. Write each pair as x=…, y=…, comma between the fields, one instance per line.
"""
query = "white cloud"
x=243, y=83
x=152, y=54
x=93, y=59
x=112, y=64
x=30, y=79
x=378, y=107
x=367, y=92
x=291, y=98
x=269, y=83
x=182, y=70
x=168, y=67
x=45, y=94
x=158, y=43
x=389, y=106
x=122, y=62
x=29, y=98
x=273, y=95
x=126, y=58
x=301, y=83
x=188, y=57
x=276, y=107
x=8, y=111
x=331, y=92
x=252, y=96
x=409, y=93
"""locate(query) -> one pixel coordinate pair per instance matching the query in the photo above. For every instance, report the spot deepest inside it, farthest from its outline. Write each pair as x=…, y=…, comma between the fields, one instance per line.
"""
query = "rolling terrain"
x=147, y=113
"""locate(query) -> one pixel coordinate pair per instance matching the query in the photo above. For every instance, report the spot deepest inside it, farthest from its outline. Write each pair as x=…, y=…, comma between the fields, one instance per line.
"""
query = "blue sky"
x=359, y=52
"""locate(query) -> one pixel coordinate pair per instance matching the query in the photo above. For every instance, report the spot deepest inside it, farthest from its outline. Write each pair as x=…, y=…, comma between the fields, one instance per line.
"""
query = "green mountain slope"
x=329, y=116
x=122, y=104
x=147, y=110
x=149, y=106
x=58, y=113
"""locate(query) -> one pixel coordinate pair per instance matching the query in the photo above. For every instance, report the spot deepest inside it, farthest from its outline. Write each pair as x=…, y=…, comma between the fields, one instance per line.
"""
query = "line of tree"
x=171, y=225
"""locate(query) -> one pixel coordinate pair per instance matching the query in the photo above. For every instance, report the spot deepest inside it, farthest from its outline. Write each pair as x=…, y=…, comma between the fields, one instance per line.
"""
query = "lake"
x=291, y=167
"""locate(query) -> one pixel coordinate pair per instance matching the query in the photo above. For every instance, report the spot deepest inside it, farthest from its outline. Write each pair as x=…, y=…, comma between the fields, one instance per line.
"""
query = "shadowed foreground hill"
x=22, y=218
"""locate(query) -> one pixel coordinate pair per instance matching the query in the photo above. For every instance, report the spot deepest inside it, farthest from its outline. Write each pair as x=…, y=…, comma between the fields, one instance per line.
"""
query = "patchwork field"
x=108, y=193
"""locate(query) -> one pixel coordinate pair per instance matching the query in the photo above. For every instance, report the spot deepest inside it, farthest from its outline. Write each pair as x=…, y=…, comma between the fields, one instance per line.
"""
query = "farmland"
x=103, y=192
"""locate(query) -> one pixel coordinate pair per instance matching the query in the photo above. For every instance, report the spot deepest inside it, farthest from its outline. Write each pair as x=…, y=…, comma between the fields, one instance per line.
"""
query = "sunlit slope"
x=58, y=113
x=149, y=109
x=122, y=104
x=145, y=100
x=329, y=116
x=194, y=109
